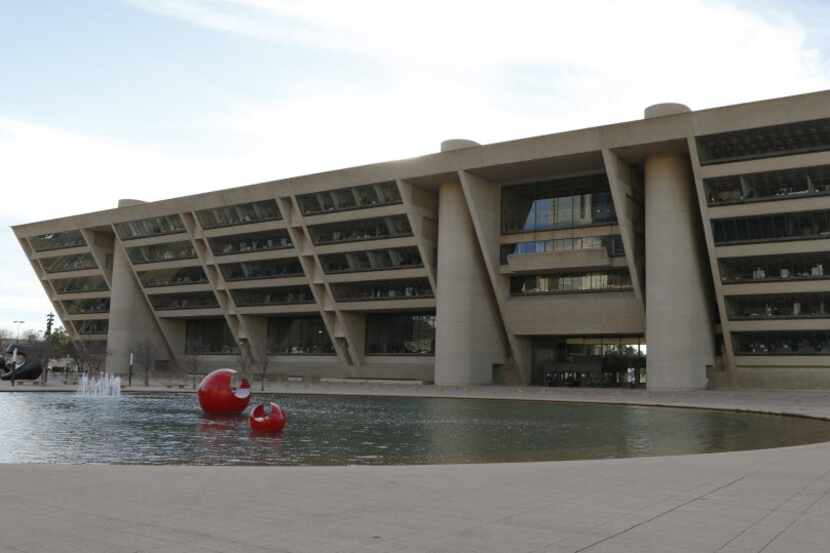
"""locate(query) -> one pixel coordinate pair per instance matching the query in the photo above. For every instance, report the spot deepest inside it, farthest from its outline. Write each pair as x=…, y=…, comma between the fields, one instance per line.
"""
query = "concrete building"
x=683, y=250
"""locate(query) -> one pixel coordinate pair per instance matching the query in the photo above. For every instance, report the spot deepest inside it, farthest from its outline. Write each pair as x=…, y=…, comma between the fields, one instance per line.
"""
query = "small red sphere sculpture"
x=217, y=396
x=263, y=421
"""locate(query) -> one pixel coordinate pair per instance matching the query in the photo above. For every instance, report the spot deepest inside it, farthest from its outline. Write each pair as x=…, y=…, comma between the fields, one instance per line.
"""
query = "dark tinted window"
x=240, y=214
x=365, y=229
x=154, y=226
x=209, y=337
x=788, y=226
x=400, y=334
x=382, y=290
x=561, y=203
x=777, y=140
x=57, y=241
x=298, y=336
x=370, y=195
x=567, y=283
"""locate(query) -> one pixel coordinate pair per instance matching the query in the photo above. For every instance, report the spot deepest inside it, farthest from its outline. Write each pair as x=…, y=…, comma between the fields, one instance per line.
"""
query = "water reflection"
x=170, y=429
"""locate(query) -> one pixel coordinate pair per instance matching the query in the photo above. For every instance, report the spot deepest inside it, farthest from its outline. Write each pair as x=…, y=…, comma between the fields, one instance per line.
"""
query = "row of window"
x=366, y=229
x=386, y=334
x=253, y=242
x=370, y=195
x=67, y=263
x=612, y=244
x=789, y=183
x=763, y=142
x=172, y=277
x=152, y=226
x=156, y=253
x=372, y=260
x=568, y=283
x=189, y=300
x=804, y=266
x=57, y=241
x=400, y=334
x=561, y=203
x=383, y=290
x=240, y=214
x=787, y=226
x=97, y=326
x=798, y=342
x=778, y=306
x=269, y=268
x=80, y=285
x=589, y=360
x=285, y=295
x=87, y=307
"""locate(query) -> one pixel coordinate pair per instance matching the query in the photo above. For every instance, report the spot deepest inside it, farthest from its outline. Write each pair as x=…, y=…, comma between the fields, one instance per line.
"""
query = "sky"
x=149, y=99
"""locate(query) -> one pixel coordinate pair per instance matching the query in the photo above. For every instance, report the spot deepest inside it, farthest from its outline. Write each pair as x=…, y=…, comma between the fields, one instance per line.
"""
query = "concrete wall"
x=679, y=330
x=468, y=337
x=476, y=312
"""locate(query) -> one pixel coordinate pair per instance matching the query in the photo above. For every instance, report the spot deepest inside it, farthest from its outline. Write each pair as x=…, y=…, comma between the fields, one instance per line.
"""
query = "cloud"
x=423, y=72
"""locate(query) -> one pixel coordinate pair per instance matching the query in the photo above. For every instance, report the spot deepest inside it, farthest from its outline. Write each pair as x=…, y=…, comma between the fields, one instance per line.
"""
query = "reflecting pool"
x=328, y=430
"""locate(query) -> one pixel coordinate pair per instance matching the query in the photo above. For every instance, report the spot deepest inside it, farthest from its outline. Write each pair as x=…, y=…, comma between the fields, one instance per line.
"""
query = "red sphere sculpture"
x=217, y=396
x=263, y=421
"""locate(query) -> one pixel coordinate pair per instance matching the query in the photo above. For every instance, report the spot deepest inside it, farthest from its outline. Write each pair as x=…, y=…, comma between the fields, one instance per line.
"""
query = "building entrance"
x=601, y=361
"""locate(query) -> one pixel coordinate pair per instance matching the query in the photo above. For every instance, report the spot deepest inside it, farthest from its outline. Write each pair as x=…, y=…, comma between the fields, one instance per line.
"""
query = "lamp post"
x=18, y=323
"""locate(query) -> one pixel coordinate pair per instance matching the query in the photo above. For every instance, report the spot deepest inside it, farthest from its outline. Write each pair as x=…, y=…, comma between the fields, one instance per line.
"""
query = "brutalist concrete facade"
x=691, y=243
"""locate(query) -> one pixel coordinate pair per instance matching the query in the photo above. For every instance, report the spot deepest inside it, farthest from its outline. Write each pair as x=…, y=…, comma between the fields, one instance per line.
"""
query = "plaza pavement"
x=775, y=500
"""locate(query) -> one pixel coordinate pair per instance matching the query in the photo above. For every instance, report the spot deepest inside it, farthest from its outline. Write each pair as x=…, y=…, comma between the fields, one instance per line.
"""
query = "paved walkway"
x=775, y=501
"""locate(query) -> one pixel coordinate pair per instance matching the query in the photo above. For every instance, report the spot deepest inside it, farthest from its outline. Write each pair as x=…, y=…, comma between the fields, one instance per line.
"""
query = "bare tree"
x=263, y=360
x=194, y=363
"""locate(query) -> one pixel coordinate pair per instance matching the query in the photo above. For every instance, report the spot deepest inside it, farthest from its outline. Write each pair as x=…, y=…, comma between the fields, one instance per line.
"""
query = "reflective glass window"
x=269, y=268
x=283, y=295
x=253, y=242
x=797, y=342
x=153, y=226
x=779, y=306
x=400, y=334
x=788, y=226
x=370, y=195
x=67, y=263
x=372, y=260
x=562, y=203
x=80, y=285
x=298, y=336
x=173, y=277
x=96, y=326
x=382, y=290
x=157, y=253
x=612, y=244
x=806, y=266
x=190, y=300
x=365, y=229
x=209, y=337
x=87, y=307
x=565, y=283
x=773, y=185
x=57, y=241
x=240, y=214
x=602, y=361
x=777, y=140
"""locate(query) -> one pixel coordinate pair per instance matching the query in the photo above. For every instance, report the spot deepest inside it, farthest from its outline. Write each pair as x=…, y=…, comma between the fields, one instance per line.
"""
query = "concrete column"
x=131, y=323
x=468, y=338
x=679, y=331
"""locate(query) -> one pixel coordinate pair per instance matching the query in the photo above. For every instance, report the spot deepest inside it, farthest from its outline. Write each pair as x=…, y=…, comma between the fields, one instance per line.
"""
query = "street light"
x=18, y=323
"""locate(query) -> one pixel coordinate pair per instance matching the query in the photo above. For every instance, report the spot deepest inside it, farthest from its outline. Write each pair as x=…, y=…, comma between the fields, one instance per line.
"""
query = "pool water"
x=328, y=430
